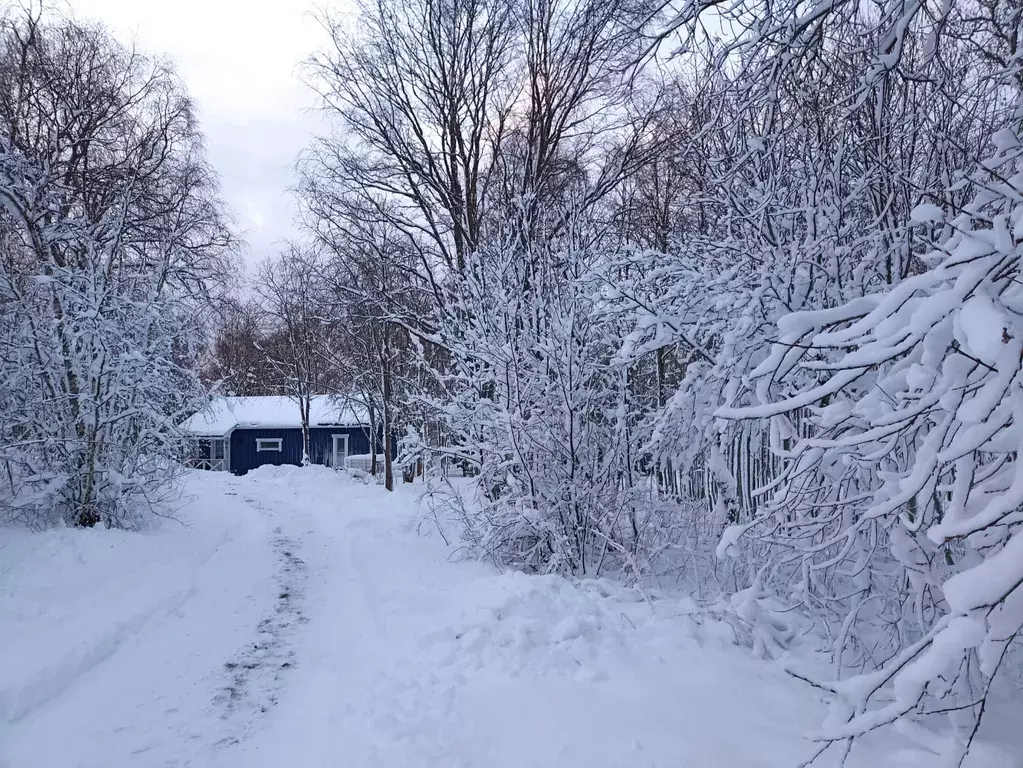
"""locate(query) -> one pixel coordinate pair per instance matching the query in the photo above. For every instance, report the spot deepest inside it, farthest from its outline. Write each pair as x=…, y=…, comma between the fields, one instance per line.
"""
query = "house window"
x=268, y=444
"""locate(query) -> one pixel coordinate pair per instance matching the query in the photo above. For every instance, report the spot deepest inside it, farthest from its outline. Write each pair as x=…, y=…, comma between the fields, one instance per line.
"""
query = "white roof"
x=226, y=413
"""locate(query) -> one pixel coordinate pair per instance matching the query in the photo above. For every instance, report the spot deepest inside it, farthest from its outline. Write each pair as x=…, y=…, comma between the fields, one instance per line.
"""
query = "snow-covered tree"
x=728, y=297
x=882, y=363
x=113, y=238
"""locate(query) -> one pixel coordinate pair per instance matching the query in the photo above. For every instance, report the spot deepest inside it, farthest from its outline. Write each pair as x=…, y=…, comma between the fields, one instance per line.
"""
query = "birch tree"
x=115, y=235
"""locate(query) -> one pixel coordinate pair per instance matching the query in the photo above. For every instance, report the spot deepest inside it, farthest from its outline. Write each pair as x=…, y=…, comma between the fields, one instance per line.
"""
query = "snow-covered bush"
x=543, y=414
x=112, y=239
x=105, y=450
x=851, y=308
x=902, y=508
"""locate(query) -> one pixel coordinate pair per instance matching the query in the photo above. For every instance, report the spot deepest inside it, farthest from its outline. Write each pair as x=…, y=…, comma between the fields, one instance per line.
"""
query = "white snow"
x=223, y=414
x=927, y=213
x=981, y=329
x=298, y=617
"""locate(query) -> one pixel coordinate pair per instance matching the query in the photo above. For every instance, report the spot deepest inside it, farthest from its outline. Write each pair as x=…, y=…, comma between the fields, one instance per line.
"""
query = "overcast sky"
x=239, y=59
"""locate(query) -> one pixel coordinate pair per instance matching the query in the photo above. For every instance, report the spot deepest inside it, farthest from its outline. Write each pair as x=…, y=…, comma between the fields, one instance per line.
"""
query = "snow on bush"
x=113, y=239
x=911, y=515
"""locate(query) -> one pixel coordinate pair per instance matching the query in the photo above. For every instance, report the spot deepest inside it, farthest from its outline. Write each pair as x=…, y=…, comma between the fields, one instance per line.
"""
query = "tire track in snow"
x=255, y=673
x=405, y=710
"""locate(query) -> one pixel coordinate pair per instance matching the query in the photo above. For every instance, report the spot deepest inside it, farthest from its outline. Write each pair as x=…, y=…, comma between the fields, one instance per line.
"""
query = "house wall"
x=321, y=443
x=245, y=457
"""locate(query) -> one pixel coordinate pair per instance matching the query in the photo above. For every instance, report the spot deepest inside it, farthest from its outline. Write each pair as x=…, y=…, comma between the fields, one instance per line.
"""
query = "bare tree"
x=449, y=111
x=291, y=291
x=235, y=362
x=117, y=238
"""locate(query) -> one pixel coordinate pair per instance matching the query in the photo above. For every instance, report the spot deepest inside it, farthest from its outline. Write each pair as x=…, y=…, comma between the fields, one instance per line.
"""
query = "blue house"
x=237, y=434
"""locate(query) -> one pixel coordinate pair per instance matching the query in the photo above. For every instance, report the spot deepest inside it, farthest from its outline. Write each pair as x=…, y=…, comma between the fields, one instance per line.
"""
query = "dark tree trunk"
x=386, y=372
x=374, y=439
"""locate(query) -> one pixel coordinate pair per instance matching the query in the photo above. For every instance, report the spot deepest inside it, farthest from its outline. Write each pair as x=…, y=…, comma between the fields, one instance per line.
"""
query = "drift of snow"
x=297, y=616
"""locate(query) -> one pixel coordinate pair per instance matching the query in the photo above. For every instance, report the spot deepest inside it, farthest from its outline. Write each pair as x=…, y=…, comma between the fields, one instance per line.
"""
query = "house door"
x=340, y=452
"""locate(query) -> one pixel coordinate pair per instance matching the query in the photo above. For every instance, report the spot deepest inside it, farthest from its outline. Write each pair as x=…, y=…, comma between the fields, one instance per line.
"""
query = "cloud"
x=240, y=61
x=254, y=214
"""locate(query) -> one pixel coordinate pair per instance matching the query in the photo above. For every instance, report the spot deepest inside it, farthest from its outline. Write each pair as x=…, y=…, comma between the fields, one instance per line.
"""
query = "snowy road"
x=302, y=621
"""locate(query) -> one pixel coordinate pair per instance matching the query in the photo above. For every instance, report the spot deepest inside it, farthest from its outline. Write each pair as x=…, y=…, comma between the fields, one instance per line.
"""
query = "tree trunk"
x=386, y=373
x=305, y=404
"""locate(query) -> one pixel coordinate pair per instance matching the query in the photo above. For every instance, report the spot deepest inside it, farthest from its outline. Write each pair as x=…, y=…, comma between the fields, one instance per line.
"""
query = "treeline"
x=724, y=293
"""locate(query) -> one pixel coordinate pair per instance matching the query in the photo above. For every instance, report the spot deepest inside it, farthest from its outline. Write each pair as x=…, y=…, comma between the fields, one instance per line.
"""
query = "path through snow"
x=301, y=621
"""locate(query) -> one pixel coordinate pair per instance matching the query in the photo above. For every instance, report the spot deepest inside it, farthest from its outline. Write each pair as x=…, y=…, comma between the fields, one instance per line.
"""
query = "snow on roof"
x=226, y=413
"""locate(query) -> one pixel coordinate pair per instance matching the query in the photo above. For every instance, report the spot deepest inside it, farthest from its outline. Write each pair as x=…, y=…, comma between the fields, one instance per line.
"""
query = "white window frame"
x=222, y=463
x=208, y=460
x=264, y=444
x=334, y=439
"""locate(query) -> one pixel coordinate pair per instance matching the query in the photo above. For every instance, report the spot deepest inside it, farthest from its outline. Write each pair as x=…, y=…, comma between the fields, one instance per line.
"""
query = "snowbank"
x=72, y=599
x=551, y=625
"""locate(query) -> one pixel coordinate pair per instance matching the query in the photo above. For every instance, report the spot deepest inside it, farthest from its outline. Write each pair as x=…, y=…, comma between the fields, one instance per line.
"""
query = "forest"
x=704, y=293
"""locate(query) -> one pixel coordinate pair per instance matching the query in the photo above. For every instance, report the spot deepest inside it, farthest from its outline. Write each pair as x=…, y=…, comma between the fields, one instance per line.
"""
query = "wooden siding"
x=321, y=443
x=245, y=457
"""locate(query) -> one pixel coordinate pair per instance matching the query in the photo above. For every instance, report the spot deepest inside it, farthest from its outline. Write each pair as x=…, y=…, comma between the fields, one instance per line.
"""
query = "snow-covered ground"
x=297, y=617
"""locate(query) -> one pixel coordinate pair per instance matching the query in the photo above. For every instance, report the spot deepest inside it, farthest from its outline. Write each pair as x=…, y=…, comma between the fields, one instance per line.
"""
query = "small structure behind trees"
x=238, y=434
